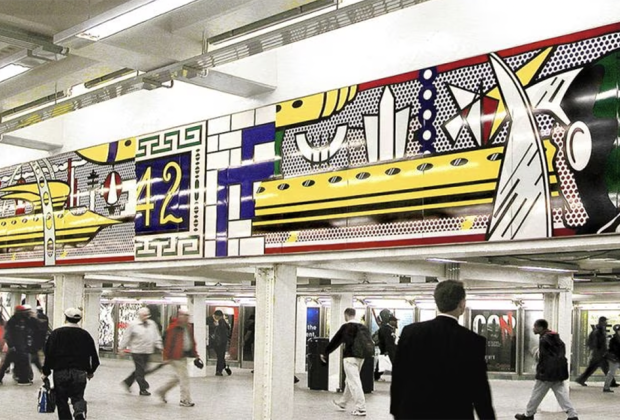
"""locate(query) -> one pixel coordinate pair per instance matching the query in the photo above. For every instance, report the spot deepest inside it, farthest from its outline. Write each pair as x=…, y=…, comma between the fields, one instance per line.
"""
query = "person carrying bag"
x=46, y=400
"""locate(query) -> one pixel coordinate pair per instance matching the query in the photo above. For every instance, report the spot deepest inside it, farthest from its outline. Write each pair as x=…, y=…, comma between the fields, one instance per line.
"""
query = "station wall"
x=516, y=144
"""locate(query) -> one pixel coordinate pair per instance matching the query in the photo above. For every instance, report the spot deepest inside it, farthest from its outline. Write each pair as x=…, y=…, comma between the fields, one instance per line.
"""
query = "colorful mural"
x=518, y=144
x=73, y=208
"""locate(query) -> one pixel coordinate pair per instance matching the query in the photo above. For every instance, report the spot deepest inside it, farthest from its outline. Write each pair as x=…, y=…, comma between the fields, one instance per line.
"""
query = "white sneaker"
x=339, y=407
x=186, y=404
x=358, y=413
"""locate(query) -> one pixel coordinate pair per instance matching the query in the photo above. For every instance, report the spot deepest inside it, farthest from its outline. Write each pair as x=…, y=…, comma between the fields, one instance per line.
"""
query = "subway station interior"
x=281, y=161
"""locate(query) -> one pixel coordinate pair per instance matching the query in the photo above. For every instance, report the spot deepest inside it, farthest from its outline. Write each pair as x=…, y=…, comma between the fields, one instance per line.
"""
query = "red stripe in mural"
x=377, y=244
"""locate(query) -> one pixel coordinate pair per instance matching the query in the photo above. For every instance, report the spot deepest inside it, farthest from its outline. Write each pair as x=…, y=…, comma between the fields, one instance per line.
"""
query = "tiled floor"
x=229, y=398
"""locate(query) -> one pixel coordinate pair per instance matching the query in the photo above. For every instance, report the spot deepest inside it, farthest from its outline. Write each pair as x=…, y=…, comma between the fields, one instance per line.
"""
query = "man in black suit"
x=429, y=353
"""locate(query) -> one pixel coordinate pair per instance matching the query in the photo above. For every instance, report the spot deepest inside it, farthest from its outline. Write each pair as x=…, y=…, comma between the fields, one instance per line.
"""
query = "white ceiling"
x=165, y=40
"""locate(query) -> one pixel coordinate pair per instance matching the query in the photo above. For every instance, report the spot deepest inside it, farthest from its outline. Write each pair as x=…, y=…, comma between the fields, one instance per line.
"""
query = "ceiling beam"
x=226, y=82
x=29, y=143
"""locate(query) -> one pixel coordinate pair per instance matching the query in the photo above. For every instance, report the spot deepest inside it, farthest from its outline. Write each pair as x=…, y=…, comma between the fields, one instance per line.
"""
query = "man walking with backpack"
x=358, y=345
x=551, y=372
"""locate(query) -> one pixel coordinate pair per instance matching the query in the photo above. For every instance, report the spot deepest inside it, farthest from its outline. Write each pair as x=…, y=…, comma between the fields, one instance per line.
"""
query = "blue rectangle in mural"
x=163, y=194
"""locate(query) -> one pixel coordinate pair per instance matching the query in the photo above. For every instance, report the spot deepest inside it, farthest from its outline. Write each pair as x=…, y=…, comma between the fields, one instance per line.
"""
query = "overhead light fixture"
x=11, y=70
x=120, y=18
x=295, y=13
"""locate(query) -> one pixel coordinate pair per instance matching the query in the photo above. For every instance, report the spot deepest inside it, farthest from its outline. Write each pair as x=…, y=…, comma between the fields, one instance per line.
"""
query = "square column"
x=300, y=337
x=31, y=299
x=198, y=316
x=339, y=304
x=68, y=293
x=557, y=311
x=274, y=345
x=14, y=300
x=90, y=314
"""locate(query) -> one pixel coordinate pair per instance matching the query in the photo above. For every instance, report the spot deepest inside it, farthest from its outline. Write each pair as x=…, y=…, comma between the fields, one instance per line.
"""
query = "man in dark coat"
x=219, y=331
x=18, y=334
x=551, y=372
x=431, y=351
x=71, y=353
x=597, y=343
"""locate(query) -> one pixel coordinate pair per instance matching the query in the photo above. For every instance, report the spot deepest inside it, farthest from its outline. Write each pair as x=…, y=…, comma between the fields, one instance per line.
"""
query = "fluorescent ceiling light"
x=11, y=70
x=132, y=18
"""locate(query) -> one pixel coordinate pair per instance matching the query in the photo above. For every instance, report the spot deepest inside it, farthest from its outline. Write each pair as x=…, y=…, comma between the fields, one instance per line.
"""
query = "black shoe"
x=295, y=379
x=614, y=385
x=607, y=390
x=582, y=383
x=127, y=387
x=523, y=417
x=228, y=371
x=145, y=392
x=218, y=374
x=573, y=418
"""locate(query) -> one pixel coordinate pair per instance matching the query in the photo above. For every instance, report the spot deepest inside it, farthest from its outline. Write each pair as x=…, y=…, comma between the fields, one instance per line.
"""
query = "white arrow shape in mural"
x=522, y=208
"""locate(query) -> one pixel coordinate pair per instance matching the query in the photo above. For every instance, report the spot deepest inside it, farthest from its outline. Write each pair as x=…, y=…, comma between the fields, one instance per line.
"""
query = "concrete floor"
x=229, y=398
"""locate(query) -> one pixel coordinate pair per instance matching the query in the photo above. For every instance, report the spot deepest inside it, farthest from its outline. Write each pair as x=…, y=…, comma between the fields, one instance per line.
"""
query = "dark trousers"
x=70, y=383
x=21, y=366
x=36, y=361
x=220, y=352
x=140, y=361
x=595, y=362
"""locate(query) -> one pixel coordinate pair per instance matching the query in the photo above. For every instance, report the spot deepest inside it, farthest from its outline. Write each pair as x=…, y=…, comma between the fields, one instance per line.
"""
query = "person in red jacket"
x=180, y=343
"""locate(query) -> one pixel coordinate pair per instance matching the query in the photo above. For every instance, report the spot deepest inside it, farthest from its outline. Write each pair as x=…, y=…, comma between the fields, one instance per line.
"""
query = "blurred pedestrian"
x=551, y=372
x=613, y=357
x=142, y=338
x=180, y=343
x=597, y=343
x=18, y=334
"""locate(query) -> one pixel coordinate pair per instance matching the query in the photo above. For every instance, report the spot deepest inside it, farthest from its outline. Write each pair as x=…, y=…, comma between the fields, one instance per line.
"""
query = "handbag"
x=46, y=400
x=385, y=364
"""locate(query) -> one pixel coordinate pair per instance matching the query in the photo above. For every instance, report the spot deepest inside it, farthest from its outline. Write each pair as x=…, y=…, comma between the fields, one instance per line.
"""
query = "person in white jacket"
x=142, y=337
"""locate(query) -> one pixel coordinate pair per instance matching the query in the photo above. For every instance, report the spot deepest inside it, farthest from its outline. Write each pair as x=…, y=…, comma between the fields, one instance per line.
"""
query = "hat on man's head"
x=20, y=308
x=218, y=313
x=73, y=313
x=602, y=319
x=144, y=311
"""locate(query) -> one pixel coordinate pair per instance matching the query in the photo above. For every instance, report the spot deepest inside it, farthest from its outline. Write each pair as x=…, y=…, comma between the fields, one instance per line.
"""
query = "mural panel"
x=73, y=208
x=169, y=194
x=519, y=144
x=240, y=152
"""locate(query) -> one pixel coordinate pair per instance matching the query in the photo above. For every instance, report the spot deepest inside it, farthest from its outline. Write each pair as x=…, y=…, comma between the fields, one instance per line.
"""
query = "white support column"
x=90, y=314
x=300, y=336
x=31, y=299
x=339, y=304
x=198, y=316
x=15, y=299
x=558, y=313
x=68, y=293
x=274, y=355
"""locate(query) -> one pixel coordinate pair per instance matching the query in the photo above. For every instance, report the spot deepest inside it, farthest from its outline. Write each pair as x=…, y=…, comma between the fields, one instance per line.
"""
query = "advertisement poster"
x=499, y=328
